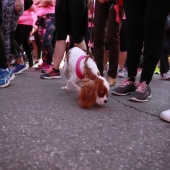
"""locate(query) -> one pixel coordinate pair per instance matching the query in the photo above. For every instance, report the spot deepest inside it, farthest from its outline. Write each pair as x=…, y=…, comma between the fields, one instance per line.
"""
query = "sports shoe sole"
x=165, y=78
x=19, y=72
x=120, y=94
x=137, y=100
x=53, y=77
x=5, y=85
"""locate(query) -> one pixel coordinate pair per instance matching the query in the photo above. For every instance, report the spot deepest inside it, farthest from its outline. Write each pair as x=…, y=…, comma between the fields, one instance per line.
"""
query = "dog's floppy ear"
x=87, y=94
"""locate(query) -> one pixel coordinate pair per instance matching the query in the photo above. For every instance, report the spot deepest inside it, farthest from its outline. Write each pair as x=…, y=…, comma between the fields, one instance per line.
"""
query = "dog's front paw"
x=64, y=88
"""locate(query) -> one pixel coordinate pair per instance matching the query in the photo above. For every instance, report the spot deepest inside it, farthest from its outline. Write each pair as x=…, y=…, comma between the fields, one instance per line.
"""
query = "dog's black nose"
x=105, y=101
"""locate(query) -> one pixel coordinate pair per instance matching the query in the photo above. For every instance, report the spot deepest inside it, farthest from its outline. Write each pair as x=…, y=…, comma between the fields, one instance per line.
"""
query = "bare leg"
x=59, y=51
x=122, y=59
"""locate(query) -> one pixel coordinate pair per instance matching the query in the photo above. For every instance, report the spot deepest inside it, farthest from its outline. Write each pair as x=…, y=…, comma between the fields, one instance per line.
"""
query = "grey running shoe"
x=125, y=88
x=142, y=93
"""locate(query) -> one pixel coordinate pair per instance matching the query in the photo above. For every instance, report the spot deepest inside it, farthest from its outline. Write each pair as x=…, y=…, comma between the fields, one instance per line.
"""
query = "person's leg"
x=60, y=46
x=100, y=22
x=38, y=44
x=113, y=43
x=24, y=33
x=78, y=23
x=1, y=13
x=65, y=24
x=3, y=60
x=15, y=49
x=123, y=45
x=154, y=22
x=164, y=64
x=59, y=51
x=134, y=11
x=47, y=47
x=134, y=16
x=123, y=49
x=5, y=73
x=106, y=60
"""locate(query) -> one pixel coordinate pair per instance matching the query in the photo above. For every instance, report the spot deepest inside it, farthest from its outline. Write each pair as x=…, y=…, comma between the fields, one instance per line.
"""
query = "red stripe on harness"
x=80, y=75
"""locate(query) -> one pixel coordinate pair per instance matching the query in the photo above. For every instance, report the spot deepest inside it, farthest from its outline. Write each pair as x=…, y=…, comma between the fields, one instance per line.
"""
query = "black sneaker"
x=142, y=93
x=125, y=88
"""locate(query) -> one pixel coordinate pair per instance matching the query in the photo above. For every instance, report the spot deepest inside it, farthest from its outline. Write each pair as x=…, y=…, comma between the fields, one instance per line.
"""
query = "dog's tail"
x=66, y=68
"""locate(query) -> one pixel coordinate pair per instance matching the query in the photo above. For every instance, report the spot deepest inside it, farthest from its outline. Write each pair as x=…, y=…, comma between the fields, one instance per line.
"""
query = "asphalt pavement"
x=43, y=128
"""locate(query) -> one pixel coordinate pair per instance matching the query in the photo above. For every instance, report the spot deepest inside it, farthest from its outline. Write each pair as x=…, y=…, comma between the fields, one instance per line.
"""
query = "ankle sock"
x=56, y=70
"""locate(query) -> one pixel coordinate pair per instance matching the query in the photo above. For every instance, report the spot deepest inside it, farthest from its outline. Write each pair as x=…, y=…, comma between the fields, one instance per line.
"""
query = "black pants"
x=123, y=36
x=1, y=17
x=21, y=36
x=106, y=30
x=145, y=24
x=164, y=64
x=71, y=19
x=3, y=61
x=15, y=48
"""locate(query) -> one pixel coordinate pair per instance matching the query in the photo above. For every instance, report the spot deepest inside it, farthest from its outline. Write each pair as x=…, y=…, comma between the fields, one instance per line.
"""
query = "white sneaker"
x=121, y=73
x=165, y=76
x=165, y=115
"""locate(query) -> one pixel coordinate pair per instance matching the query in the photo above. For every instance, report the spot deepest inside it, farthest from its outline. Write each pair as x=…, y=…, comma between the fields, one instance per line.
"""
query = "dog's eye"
x=101, y=94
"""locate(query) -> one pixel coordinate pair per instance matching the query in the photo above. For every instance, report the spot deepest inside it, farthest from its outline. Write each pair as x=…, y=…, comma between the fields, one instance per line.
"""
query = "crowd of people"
x=133, y=33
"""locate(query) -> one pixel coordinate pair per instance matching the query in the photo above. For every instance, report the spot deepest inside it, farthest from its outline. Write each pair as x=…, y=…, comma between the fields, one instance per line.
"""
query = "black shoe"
x=125, y=88
x=142, y=93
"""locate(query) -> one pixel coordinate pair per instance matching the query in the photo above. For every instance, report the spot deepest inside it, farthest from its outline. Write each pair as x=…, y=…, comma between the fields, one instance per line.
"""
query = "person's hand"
x=19, y=6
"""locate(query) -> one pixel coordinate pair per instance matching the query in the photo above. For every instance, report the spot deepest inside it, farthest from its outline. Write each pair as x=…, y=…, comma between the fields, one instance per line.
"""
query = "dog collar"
x=80, y=75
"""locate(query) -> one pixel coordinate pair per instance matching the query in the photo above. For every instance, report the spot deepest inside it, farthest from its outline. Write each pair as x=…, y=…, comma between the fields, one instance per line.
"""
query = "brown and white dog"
x=80, y=67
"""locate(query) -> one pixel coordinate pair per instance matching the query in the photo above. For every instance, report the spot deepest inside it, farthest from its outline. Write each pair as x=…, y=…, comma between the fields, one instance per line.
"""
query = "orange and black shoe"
x=51, y=74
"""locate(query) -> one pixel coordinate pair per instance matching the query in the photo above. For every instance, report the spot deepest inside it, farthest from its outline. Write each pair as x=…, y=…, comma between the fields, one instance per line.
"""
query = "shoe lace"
x=125, y=83
x=50, y=70
x=141, y=87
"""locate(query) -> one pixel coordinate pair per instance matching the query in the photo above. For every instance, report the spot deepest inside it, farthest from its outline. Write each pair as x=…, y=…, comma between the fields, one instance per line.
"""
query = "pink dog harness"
x=80, y=75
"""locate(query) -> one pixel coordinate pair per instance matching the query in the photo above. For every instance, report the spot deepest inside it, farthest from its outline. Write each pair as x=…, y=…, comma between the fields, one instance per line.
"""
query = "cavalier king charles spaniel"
x=82, y=72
